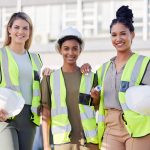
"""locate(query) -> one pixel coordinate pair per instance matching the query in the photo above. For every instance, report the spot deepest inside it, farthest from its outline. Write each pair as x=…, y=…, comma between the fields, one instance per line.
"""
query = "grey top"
x=112, y=84
x=25, y=75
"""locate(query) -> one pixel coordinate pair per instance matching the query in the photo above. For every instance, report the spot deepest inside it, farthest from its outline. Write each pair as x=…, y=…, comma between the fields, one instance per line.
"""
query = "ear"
x=9, y=30
x=59, y=50
x=81, y=50
x=133, y=34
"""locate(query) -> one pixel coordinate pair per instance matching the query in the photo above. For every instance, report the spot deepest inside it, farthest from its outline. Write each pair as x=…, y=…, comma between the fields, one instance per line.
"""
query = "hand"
x=96, y=96
x=3, y=115
x=85, y=68
x=47, y=148
x=47, y=71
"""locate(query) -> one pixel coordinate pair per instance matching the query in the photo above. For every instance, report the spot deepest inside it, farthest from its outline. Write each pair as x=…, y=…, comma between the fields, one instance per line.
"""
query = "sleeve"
x=46, y=91
x=146, y=77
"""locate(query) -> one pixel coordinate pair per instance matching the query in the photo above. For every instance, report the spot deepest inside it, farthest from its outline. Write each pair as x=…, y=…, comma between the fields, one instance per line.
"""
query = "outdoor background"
x=91, y=17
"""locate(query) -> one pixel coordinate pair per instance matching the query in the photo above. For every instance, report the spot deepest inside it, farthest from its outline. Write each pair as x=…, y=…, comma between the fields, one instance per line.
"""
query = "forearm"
x=46, y=127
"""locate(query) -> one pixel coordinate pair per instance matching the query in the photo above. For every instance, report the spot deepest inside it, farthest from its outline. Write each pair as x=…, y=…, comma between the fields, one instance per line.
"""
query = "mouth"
x=20, y=36
x=119, y=44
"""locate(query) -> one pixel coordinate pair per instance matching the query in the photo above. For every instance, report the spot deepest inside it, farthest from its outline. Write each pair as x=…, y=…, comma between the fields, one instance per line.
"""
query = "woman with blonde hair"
x=20, y=72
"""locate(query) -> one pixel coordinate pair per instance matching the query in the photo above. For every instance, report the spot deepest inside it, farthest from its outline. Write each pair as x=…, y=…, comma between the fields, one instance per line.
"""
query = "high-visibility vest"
x=136, y=124
x=60, y=124
x=10, y=78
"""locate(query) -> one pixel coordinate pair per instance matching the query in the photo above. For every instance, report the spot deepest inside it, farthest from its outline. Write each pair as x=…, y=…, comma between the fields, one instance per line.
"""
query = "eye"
x=75, y=48
x=113, y=35
x=66, y=48
x=123, y=33
x=16, y=27
x=26, y=28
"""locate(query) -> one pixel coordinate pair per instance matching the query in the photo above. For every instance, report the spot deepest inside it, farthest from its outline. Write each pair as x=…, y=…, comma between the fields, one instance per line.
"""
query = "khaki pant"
x=116, y=136
x=72, y=146
x=76, y=144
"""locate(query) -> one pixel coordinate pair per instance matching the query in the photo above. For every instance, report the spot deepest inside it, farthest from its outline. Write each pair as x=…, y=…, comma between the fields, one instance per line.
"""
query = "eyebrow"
x=19, y=26
x=119, y=32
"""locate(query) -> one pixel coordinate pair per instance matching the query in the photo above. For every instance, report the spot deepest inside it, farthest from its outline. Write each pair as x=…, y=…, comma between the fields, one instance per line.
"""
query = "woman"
x=20, y=72
x=119, y=127
x=67, y=105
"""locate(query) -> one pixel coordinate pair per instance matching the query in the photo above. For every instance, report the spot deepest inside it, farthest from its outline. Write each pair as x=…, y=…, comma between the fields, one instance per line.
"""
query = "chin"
x=20, y=42
x=121, y=49
x=71, y=62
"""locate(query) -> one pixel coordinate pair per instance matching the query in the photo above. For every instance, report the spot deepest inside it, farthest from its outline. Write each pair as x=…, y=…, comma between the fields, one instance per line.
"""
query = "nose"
x=70, y=51
x=20, y=31
x=118, y=38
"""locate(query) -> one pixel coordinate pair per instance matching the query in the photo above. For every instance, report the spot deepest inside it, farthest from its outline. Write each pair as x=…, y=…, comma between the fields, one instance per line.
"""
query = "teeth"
x=120, y=44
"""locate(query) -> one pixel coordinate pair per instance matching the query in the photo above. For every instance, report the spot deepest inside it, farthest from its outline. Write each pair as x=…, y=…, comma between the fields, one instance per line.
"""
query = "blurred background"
x=91, y=17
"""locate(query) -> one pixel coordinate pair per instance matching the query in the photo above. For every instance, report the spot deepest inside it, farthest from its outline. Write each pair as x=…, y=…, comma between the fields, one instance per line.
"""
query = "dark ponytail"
x=124, y=15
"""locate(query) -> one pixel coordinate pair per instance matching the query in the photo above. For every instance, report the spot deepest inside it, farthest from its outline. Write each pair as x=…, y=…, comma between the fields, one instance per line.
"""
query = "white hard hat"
x=70, y=31
x=11, y=102
x=138, y=99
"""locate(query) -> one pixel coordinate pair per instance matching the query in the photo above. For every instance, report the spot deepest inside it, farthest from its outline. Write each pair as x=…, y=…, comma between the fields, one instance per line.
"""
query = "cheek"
x=113, y=41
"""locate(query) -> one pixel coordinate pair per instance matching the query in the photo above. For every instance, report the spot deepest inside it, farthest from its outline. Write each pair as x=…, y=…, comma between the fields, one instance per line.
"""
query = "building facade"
x=91, y=17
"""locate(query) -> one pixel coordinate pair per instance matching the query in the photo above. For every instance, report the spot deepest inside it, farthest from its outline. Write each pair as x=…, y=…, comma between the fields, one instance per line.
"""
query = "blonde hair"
x=15, y=16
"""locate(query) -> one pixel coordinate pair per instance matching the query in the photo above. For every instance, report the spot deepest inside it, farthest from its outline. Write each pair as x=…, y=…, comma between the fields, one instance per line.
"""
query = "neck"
x=17, y=48
x=70, y=68
x=123, y=56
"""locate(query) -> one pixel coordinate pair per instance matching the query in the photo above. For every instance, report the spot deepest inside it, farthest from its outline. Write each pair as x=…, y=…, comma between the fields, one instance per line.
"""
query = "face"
x=19, y=31
x=70, y=50
x=121, y=37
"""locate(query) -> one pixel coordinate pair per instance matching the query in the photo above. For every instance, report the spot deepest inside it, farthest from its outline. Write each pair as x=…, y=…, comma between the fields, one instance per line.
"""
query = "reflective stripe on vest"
x=5, y=67
x=61, y=127
x=37, y=61
x=87, y=113
x=132, y=75
x=101, y=114
x=10, y=79
x=133, y=78
x=36, y=100
x=136, y=124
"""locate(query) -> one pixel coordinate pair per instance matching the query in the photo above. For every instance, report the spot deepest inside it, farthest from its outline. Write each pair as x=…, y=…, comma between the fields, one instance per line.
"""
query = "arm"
x=95, y=94
x=45, y=112
x=46, y=127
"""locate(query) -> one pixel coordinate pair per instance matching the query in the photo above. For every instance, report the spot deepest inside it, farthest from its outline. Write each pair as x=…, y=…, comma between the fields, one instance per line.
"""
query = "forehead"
x=70, y=42
x=20, y=22
x=119, y=27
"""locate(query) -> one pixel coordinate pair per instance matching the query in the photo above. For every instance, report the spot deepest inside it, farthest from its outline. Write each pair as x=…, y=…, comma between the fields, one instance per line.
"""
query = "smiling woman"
x=119, y=127
x=67, y=101
x=20, y=72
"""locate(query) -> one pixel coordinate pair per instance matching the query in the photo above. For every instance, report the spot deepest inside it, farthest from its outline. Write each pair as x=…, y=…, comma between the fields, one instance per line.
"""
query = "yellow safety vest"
x=10, y=78
x=136, y=124
x=60, y=124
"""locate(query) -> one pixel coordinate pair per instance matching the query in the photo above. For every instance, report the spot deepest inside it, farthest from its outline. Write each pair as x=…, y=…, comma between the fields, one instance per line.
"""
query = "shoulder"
x=104, y=65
